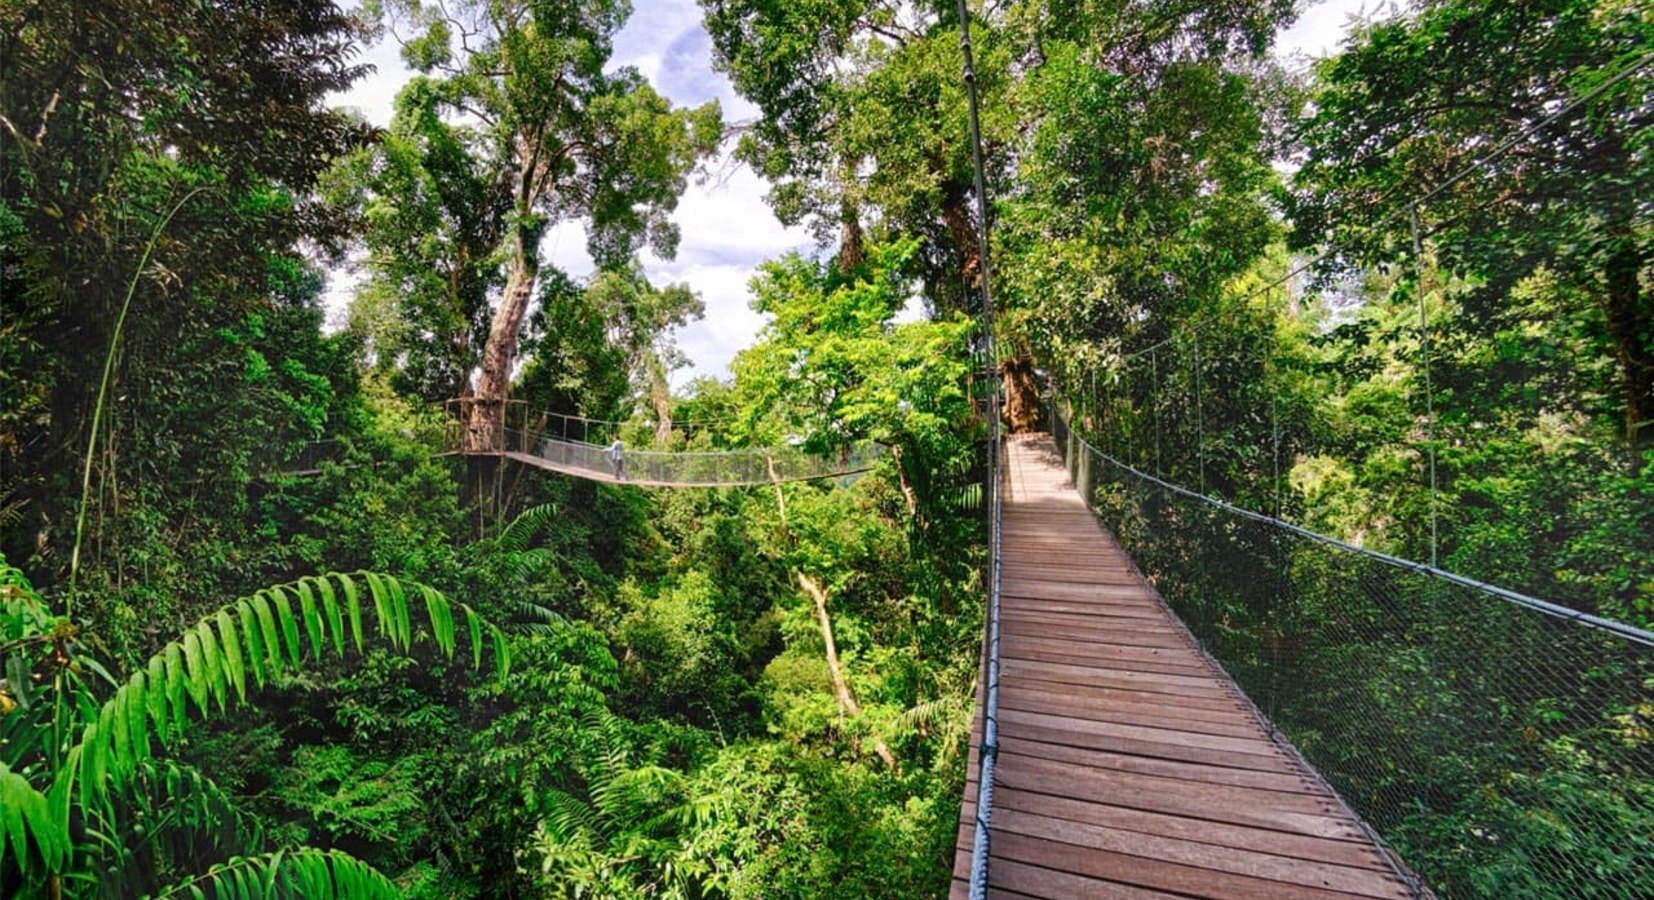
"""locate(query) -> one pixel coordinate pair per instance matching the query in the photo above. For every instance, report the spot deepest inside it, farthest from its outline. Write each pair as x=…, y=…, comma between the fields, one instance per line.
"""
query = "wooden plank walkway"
x=1130, y=765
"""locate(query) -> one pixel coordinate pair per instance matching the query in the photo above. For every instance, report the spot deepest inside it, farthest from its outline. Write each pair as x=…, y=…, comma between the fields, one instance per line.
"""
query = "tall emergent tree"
x=573, y=141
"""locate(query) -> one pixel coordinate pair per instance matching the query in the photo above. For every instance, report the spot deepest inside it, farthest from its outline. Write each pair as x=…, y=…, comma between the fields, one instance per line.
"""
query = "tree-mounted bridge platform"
x=1129, y=764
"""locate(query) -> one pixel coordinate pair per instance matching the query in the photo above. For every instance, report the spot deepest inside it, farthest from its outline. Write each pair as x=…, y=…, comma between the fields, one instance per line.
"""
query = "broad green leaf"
x=250, y=632
x=442, y=619
x=230, y=642
x=176, y=677
x=311, y=615
x=289, y=626
x=268, y=632
x=353, y=606
x=474, y=623
x=335, y=622
x=382, y=607
x=217, y=680
x=197, y=679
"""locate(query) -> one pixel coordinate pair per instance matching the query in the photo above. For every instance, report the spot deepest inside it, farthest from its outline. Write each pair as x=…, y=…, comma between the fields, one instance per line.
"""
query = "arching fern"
x=205, y=671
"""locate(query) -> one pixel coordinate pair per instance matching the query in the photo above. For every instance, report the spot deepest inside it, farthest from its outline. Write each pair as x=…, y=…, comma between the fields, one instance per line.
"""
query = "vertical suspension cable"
x=1200, y=421
x=988, y=752
x=1154, y=364
x=1274, y=420
x=1424, y=357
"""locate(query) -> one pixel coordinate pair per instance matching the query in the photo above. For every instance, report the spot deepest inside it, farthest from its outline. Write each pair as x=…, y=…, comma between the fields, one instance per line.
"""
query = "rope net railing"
x=1502, y=745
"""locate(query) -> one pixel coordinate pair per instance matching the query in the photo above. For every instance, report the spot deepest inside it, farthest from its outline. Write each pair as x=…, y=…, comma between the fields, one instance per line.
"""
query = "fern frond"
x=204, y=667
x=514, y=537
x=307, y=874
x=925, y=713
x=181, y=794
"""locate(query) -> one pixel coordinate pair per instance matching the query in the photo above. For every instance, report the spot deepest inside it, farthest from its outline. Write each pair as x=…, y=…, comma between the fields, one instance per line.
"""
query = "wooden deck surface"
x=1130, y=765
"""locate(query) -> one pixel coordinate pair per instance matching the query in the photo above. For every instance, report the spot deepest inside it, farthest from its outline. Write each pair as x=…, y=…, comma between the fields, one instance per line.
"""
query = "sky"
x=727, y=227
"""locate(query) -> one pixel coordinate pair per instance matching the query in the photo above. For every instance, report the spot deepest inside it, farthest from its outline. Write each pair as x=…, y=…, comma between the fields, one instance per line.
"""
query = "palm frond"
x=515, y=536
x=256, y=639
x=307, y=874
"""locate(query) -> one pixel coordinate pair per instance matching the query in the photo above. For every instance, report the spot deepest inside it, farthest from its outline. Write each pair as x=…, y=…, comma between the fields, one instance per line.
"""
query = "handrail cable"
x=988, y=753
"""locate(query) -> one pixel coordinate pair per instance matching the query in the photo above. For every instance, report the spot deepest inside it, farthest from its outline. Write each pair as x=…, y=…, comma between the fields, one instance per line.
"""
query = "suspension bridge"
x=571, y=445
x=1128, y=763
x=1136, y=715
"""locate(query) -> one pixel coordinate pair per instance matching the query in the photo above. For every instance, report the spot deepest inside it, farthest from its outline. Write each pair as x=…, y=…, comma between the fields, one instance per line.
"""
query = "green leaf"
x=175, y=684
x=502, y=657
x=289, y=626
x=335, y=622
x=233, y=661
x=250, y=631
x=474, y=623
x=442, y=619
x=311, y=615
x=156, y=697
x=217, y=680
x=137, y=691
x=382, y=607
x=268, y=631
x=197, y=680
x=353, y=605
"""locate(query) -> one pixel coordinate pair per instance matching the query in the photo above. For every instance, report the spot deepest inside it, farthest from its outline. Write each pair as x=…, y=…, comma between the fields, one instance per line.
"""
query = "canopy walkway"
x=1128, y=763
x=684, y=469
x=564, y=444
x=1134, y=729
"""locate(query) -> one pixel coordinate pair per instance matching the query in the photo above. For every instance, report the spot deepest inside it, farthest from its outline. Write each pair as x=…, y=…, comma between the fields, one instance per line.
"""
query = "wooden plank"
x=1172, y=703
x=1148, y=873
x=1298, y=813
x=1104, y=706
x=1114, y=676
x=1354, y=854
x=1011, y=878
x=1091, y=634
x=1285, y=870
x=1166, y=768
x=1140, y=741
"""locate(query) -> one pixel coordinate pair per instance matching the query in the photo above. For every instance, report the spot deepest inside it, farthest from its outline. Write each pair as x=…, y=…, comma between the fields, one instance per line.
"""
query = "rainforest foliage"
x=537, y=686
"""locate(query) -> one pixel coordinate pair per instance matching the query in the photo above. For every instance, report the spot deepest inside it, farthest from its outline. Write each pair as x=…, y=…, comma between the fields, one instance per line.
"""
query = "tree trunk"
x=1022, y=410
x=660, y=397
x=956, y=215
x=852, y=247
x=841, y=687
x=485, y=426
x=901, y=479
x=1631, y=326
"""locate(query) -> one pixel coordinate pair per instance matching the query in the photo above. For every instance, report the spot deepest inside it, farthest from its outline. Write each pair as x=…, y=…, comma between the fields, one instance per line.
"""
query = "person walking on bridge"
x=617, y=454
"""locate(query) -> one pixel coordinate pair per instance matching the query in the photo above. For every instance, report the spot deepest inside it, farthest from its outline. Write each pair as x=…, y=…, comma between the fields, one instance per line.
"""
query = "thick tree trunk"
x=956, y=215
x=1022, y=410
x=660, y=396
x=1630, y=312
x=841, y=687
x=852, y=245
x=485, y=426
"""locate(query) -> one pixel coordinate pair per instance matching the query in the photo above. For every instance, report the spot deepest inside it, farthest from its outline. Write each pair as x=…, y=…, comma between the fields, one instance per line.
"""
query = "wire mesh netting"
x=1504, y=747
